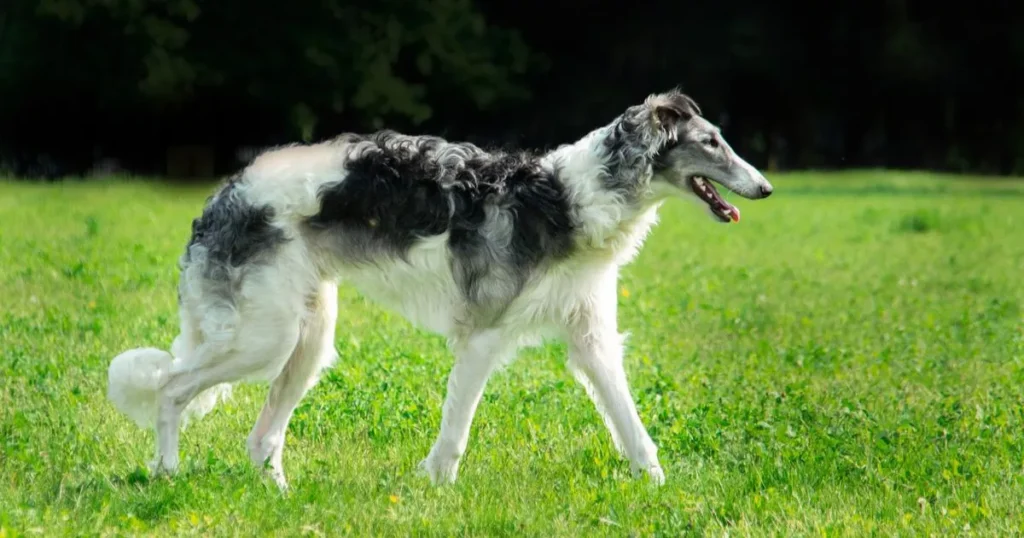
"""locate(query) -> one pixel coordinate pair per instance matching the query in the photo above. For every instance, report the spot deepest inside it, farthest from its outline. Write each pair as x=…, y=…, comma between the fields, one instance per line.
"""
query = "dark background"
x=191, y=87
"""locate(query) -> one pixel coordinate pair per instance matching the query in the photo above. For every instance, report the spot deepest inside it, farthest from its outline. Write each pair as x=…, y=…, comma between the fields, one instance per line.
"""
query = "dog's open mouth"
x=704, y=190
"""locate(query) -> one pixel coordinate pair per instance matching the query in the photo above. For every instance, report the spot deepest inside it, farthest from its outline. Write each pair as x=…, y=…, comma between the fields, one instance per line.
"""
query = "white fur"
x=134, y=380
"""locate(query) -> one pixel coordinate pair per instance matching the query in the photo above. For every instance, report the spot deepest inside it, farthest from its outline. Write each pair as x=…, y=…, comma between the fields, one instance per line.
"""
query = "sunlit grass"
x=846, y=361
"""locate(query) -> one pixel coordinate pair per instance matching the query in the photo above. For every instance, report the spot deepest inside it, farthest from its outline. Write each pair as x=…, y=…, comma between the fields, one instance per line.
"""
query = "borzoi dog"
x=494, y=250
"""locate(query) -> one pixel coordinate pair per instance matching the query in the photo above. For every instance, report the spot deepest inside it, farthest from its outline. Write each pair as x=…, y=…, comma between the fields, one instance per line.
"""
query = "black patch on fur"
x=233, y=231
x=388, y=199
x=541, y=227
x=401, y=189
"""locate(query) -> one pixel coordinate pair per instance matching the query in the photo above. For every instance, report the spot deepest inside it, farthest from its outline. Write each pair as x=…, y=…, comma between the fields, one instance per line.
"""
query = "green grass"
x=847, y=361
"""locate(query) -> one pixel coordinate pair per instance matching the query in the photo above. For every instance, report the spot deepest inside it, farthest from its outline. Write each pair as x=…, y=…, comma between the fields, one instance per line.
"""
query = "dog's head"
x=691, y=156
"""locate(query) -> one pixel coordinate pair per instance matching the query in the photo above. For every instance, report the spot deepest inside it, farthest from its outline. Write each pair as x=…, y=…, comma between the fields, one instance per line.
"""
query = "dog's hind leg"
x=314, y=352
x=476, y=358
x=595, y=359
x=175, y=395
x=260, y=342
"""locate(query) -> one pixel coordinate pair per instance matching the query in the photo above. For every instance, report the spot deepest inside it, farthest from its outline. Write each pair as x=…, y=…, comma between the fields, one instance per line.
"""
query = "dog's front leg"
x=476, y=358
x=595, y=358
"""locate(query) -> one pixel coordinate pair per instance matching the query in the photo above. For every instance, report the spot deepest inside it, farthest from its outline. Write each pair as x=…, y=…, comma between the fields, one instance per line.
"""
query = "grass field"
x=847, y=361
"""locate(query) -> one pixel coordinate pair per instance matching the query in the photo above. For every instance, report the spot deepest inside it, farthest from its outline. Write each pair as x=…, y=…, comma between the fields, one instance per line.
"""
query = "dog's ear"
x=668, y=110
x=668, y=117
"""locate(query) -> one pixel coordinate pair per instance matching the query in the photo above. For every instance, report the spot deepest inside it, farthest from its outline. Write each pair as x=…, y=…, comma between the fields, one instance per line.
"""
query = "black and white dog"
x=494, y=250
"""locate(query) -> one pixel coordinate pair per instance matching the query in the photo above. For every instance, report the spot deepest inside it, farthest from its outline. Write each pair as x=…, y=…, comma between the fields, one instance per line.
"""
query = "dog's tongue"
x=734, y=213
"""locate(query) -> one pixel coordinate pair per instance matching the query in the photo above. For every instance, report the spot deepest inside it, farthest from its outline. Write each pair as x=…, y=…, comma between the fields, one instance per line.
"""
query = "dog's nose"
x=766, y=190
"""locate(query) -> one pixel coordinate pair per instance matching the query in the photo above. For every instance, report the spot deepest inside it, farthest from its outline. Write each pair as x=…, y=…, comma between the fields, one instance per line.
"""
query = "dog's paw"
x=162, y=465
x=440, y=470
x=657, y=475
x=653, y=472
x=277, y=475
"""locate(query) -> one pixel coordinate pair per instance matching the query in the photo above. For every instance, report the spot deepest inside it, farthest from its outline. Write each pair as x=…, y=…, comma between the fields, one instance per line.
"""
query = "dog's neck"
x=608, y=189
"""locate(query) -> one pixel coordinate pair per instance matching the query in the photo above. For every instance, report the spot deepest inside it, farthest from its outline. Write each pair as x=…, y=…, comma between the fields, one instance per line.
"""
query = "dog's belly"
x=420, y=288
x=418, y=300
x=423, y=289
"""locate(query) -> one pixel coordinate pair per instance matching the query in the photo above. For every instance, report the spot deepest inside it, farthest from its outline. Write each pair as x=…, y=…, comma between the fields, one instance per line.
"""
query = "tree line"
x=875, y=83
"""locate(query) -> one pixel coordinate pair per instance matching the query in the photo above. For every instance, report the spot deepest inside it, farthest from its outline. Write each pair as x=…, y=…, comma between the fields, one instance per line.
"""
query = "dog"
x=494, y=250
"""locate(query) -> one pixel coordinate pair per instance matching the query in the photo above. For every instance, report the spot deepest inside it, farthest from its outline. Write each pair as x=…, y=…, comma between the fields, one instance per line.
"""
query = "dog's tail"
x=135, y=378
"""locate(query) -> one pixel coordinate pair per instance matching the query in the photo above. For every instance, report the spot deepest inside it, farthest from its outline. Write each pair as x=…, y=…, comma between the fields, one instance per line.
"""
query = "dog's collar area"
x=707, y=192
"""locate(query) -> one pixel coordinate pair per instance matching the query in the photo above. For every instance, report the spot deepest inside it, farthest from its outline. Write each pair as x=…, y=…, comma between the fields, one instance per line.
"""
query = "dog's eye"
x=711, y=142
